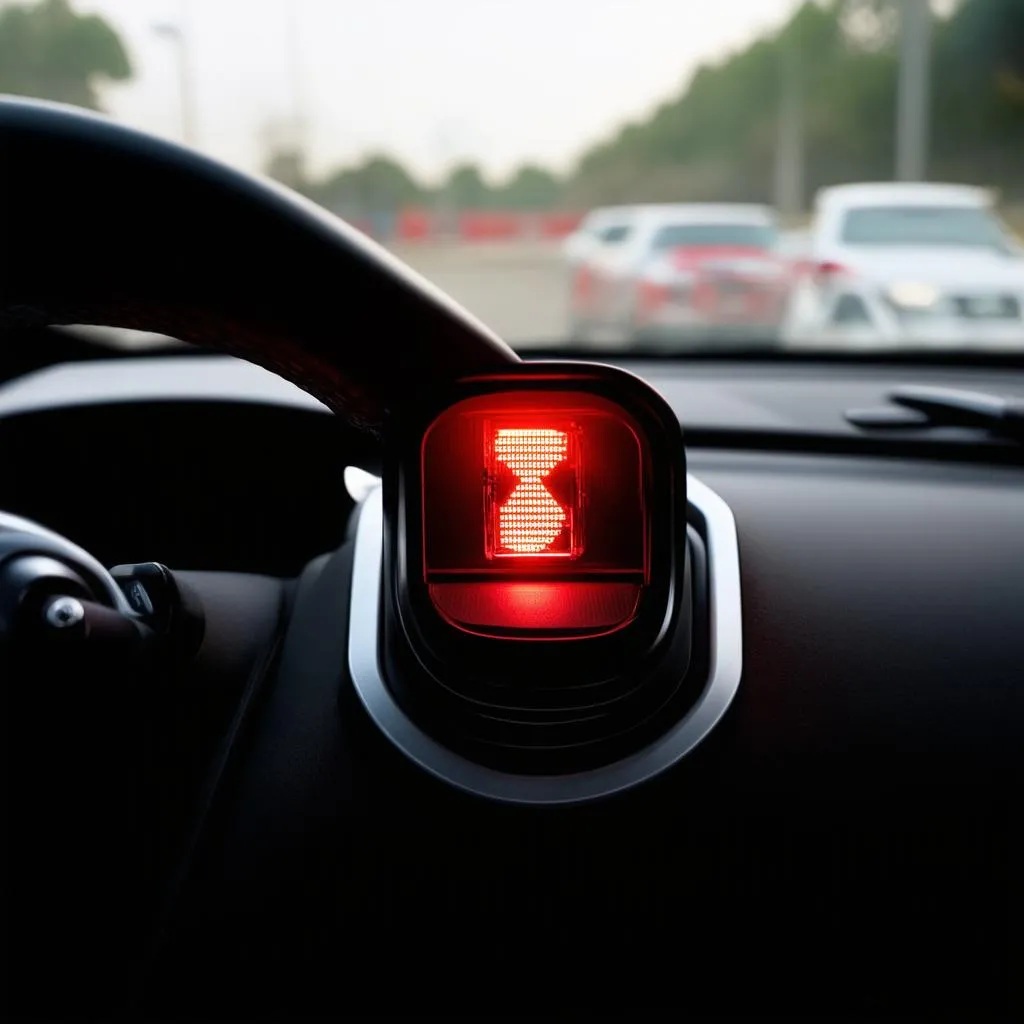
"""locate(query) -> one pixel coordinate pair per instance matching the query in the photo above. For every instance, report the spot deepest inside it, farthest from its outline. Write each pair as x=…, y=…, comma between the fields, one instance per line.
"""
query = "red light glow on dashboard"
x=525, y=517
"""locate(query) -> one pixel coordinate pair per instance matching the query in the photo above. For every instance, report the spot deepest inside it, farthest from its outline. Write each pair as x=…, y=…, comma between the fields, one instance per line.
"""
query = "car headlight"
x=913, y=295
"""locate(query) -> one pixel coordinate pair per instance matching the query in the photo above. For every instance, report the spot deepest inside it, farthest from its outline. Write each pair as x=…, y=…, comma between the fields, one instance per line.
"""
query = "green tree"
x=530, y=188
x=465, y=188
x=378, y=184
x=978, y=130
x=987, y=37
x=49, y=51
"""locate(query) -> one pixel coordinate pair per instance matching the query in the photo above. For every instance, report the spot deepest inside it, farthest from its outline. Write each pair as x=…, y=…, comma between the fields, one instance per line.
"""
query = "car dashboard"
x=857, y=800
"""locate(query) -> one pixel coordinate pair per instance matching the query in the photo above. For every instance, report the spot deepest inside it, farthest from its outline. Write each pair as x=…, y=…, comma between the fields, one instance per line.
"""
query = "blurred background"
x=473, y=137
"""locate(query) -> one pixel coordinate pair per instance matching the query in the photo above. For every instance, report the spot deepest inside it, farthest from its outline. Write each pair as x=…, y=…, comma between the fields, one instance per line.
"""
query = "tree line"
x=381, y=183
x=715, y=140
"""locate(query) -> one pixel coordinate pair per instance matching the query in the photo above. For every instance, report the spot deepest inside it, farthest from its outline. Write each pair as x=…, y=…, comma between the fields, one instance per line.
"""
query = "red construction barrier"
x=490, y=227
x=559, y=225
x=414, y=225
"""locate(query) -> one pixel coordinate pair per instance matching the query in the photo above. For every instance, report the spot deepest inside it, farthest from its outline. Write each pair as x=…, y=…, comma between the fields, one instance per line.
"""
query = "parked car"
x=607, y=225
x=899, y=264
x=685, y=274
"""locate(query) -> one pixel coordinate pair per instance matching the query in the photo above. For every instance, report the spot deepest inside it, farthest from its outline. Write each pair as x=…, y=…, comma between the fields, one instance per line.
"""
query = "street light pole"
x=295, y=73
x=912, y=110
x=789, y=147
x=177, y=35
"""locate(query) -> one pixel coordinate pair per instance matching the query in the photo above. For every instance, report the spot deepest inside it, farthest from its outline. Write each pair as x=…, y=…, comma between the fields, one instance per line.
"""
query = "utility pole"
x=178, y=35
x=295, y=75
x=912, y=109
x=789, y=149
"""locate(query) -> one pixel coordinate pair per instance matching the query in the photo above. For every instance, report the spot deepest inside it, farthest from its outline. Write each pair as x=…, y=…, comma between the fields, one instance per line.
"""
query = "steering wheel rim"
x=19, y=535
x=146, y=234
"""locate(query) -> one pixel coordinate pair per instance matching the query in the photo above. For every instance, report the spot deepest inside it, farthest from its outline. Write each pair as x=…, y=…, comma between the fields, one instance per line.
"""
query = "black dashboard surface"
x=846, y=834
x=846, y=837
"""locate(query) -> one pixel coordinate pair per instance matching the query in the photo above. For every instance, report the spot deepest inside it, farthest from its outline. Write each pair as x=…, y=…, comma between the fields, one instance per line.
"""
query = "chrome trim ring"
x=725, y=663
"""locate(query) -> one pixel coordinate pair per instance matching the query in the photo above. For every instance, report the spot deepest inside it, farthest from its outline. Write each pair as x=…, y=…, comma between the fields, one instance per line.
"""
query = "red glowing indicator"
x=534, y=519
x=529, y=519
x=532, y=491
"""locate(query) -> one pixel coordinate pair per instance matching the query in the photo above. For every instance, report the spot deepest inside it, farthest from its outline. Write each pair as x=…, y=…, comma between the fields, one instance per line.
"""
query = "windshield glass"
x=746, y=236
x=611, y=235
x=923, y=226
x=527, y=156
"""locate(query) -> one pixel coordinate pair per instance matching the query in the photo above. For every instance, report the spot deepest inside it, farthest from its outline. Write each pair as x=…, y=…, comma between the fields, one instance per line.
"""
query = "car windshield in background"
x=619, y=233
x=592, y=176
x=923, y=226
x=746, y=236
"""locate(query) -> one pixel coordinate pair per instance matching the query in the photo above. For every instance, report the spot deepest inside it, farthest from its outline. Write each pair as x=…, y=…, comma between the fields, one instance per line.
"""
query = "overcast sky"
x=431, y=81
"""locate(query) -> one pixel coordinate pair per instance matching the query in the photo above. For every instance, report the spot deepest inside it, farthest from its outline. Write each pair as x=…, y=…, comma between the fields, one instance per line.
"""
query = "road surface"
x=519, y=289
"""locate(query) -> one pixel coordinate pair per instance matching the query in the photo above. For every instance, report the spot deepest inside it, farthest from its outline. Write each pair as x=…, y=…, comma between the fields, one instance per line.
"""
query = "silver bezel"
x=725, y=663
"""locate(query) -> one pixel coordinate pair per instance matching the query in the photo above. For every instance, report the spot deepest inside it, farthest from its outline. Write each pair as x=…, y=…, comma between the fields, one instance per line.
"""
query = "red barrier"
x=490, y=227
x=414, y=226
x=559, y=225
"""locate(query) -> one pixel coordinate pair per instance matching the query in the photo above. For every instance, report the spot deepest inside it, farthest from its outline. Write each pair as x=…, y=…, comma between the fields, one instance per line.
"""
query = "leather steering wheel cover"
x=103, y=224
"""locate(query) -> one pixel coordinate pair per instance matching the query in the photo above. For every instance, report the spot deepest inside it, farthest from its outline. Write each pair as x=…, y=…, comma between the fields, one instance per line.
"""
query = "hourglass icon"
x=529, y=514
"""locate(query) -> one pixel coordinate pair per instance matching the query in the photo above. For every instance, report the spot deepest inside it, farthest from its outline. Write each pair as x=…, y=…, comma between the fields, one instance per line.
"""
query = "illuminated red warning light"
x=534, y=515
x=532, y=491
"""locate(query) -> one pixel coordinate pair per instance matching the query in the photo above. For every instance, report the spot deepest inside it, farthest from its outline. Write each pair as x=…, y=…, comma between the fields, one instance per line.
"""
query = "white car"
x=684, y=273
x=603, y=226
x=908, y=265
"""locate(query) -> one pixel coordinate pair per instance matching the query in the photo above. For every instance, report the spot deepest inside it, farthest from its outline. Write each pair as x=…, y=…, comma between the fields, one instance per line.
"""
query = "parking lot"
x=519, y=289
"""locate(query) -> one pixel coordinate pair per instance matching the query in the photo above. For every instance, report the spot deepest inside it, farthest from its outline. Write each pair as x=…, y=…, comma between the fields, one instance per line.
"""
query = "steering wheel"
x=117, y=228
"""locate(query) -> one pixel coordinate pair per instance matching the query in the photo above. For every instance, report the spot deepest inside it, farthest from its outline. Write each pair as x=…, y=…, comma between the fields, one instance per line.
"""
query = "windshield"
x=746, y=236
x=923, y=226
x=521, y=154
x=616, y=233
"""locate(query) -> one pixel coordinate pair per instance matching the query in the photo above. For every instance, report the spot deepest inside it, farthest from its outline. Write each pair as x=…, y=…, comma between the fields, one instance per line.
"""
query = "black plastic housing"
x=558, y=705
